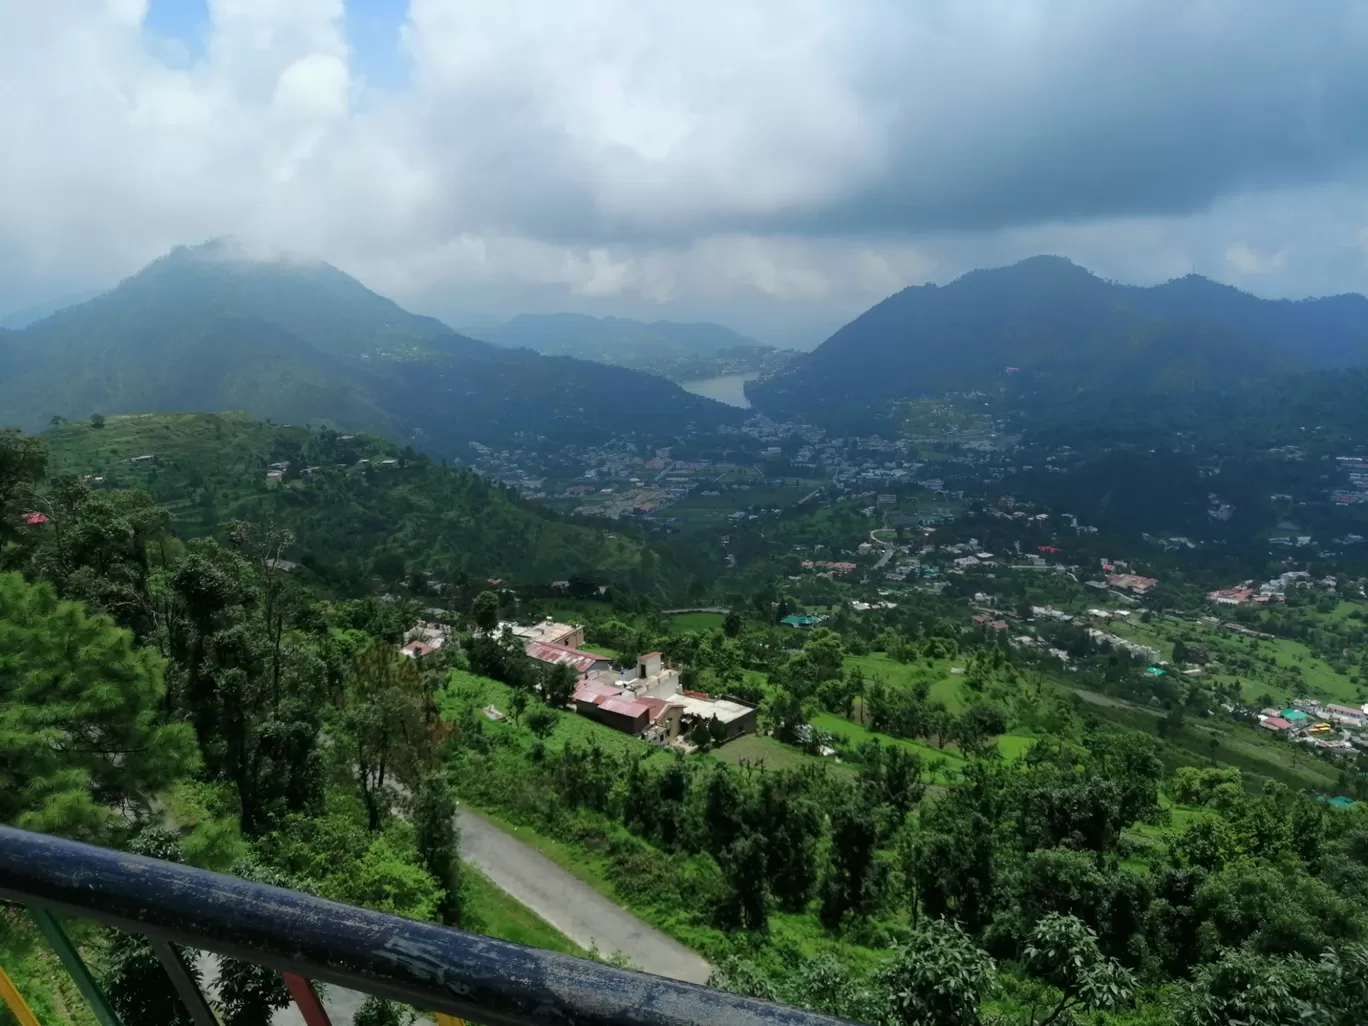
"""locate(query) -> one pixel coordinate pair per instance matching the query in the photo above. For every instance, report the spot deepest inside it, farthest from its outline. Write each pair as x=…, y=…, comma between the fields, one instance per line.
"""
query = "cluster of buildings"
x=1325, y=726
x=1269, y=592
x=644, y=700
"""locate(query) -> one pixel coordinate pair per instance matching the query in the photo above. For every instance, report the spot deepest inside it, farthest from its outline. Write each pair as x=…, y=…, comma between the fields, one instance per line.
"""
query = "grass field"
x=699, y=622
x=495, y=913
x=944, y=686
x=773, y=755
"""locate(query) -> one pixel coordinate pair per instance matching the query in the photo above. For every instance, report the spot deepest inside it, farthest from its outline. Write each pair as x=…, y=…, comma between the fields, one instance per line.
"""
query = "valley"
x=1011, y=662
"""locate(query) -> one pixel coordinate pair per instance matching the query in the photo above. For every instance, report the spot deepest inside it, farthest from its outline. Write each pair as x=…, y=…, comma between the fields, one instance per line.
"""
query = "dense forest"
x=986, y=850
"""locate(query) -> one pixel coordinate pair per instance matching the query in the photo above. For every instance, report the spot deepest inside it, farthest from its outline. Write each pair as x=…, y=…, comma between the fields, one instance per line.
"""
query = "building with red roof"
x=583, y=662
x=34, y=519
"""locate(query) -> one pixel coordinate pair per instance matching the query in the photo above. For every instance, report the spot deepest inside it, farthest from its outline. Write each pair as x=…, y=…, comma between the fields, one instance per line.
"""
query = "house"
x=614, y=707
x=583, y=662
x=1274, y=723
x=34, y=519
x=548, y=630
x=803, y=621
x=1295, y=716
x=650, y=665
x=417, y=649
x=1132, y=582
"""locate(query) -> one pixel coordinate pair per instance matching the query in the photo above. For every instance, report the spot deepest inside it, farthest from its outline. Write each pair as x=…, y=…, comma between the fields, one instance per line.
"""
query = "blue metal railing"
x=420, y=964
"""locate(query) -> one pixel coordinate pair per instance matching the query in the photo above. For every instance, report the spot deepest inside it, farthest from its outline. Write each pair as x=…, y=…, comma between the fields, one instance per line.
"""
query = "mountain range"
x=212, y=328
x=1053, y=325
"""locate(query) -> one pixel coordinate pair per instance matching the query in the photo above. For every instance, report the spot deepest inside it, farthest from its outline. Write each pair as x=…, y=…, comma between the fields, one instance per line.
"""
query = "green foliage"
x=81, y=731
x=376, y=1011
x=438, y=841
x=938, y=978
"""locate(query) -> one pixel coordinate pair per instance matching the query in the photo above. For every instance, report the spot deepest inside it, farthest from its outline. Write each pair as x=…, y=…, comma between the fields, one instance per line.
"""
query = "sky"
x=777, y=165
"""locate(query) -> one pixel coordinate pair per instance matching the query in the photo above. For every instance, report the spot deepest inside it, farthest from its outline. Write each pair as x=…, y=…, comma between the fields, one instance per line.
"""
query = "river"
x=729, y=388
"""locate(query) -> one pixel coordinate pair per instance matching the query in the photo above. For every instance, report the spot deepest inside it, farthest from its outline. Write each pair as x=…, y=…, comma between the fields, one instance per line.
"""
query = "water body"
x=729, y=388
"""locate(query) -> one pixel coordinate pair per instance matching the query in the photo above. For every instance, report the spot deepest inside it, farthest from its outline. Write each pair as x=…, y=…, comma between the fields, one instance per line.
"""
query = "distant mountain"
x=1324, y=333
x=32, y=314
x=678, y=351
x=1053, y=326
x=613, y=339
x=211, y=328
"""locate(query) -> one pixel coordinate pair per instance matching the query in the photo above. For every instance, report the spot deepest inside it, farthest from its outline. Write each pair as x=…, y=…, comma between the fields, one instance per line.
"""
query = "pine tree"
x=80, y=727
x=438, y=840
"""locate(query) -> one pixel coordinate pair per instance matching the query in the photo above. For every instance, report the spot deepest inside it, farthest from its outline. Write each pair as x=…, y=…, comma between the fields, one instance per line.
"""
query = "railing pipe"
x=421, y=964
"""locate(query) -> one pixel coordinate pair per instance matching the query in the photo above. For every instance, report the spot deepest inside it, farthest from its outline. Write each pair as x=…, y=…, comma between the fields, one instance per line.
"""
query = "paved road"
x=887, y=546
x=572, y=906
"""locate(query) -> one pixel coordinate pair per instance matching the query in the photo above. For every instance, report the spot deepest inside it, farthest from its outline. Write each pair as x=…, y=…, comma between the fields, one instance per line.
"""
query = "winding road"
x=571, y=905
x=562, y=899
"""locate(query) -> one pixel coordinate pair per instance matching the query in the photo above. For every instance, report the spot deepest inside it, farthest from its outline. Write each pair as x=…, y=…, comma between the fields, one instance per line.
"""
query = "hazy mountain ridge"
x=210, y=328
x=680, y=351
x=1066, y=330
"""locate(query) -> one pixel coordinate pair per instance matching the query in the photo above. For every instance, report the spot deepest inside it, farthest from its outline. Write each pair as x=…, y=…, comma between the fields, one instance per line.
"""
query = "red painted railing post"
x=307, y=999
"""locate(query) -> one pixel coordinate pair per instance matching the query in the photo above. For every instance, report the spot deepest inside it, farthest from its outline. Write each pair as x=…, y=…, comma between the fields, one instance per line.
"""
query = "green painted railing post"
x=75, y=967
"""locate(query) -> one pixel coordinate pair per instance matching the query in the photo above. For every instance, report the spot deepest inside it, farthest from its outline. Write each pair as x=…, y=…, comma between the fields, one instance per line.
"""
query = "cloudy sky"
x=775, y=164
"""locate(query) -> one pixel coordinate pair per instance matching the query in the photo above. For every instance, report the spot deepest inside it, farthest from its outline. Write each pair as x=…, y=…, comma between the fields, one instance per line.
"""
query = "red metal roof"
x=546, y=652
x=1275, y=723
x=592, y=691
x=626, y=707
x=35, y=518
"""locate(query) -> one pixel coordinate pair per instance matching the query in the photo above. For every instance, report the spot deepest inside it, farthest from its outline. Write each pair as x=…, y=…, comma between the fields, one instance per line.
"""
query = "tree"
x=389, y=566
x=23, y=461
x=852, y=881
x=743, y=868
x=733, y=623
x=134, y=980
x=485, y=611
x=435, y=832
x=559, y=681
x=382, y=720
x=517, y=705
x=97, y=421
x=1063, y=952
x=939, y=978
x=81, y=734
x=542, y=722
x=376, y=1011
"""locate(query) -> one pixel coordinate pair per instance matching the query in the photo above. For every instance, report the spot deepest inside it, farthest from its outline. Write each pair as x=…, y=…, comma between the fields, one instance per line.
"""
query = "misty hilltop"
x=213, y=327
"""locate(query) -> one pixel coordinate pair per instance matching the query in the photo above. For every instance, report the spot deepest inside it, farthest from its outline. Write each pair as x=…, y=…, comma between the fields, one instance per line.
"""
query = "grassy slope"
x=945, y=687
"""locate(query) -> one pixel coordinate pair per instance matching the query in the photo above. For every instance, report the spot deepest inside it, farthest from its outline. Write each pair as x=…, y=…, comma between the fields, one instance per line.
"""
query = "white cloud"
x=1247, y=260
x=716, y=157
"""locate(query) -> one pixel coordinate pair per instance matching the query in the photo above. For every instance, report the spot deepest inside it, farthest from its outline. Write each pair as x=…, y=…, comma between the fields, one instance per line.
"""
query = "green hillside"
x=212, y=468
x=213, y=328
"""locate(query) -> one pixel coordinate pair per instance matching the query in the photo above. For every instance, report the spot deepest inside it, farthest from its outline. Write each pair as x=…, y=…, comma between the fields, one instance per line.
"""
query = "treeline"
x=192, y=685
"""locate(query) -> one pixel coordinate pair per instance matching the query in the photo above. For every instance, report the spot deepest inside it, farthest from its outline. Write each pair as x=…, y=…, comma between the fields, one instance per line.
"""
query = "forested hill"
x=369, y=508
x=212, y=328
x=1052, y=323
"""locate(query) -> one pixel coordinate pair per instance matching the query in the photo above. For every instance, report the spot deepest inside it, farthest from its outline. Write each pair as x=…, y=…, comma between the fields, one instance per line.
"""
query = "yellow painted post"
x=14, y=1001
x=442, y=1020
